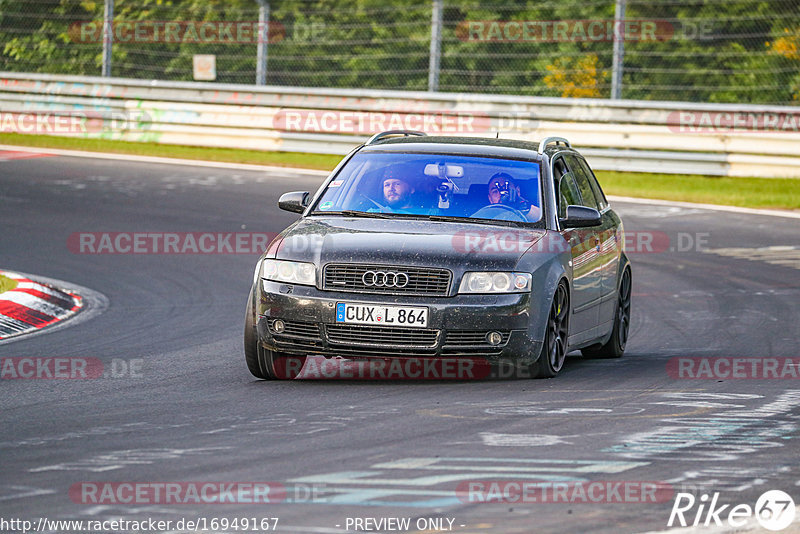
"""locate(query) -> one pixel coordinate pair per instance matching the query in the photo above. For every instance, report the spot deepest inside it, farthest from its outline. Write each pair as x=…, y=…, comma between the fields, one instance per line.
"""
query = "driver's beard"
x=397, y=203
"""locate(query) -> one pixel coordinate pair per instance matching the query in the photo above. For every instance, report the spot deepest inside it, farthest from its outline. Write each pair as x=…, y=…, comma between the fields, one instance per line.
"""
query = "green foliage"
x=710, y=51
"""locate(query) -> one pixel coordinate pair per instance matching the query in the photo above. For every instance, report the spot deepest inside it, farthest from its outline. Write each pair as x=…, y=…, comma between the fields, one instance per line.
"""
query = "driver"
x=503, y=189
x=397, y=192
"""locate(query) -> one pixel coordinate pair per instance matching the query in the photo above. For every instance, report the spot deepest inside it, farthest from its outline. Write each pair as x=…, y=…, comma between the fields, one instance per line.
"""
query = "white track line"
x=168, y=161
x=714, y=207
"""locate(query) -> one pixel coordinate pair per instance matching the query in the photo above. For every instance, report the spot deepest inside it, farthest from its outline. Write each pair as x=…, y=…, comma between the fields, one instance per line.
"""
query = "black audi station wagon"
x=444, y=247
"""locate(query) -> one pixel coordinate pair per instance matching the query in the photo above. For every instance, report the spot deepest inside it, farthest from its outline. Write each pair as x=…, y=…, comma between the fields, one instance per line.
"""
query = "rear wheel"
x=615, y=346
x=554, y=348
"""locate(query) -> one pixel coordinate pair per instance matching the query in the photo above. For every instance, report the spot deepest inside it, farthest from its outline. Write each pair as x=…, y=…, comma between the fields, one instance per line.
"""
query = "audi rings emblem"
x=384, y=279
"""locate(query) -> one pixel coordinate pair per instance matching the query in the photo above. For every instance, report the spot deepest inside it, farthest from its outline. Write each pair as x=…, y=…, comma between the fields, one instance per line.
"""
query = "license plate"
x=381, y=315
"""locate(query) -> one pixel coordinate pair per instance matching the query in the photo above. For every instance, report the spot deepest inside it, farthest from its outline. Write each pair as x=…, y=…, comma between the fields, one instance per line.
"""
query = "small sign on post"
x=205, y=67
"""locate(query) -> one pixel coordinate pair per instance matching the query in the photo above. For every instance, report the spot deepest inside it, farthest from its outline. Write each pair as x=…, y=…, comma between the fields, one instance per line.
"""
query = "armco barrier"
x=667, y=137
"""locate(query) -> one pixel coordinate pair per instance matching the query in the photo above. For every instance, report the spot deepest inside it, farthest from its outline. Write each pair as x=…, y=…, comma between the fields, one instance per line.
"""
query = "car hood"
x=454, y=245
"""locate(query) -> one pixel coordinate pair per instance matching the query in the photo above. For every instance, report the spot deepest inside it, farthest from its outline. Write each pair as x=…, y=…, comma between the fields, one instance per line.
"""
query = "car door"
x=610, y=249
x=586, y=277
x=605, y=238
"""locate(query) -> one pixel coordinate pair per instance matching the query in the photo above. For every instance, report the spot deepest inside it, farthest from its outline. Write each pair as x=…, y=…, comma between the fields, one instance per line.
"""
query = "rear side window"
x=598, y=192
x=582, y=180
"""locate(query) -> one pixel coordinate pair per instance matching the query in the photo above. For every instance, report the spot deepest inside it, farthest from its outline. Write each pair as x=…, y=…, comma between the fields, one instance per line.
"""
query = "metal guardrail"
x=666, y=137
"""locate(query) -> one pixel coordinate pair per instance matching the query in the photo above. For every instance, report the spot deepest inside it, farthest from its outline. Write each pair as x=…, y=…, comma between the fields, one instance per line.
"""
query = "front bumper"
x=456, y=327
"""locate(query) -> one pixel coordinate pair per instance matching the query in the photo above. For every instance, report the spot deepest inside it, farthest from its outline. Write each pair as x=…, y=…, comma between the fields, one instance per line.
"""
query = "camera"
x=510, y=196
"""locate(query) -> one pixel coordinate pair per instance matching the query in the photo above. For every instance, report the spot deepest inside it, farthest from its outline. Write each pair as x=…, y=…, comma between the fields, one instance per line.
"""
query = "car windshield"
x=435, y=186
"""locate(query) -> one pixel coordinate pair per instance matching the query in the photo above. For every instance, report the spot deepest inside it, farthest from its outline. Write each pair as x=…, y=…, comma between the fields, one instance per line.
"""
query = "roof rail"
x=547, y=140
x=378, y=136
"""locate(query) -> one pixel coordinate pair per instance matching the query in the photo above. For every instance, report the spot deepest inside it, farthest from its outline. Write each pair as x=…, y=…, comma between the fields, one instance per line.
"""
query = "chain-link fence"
x=744, y=51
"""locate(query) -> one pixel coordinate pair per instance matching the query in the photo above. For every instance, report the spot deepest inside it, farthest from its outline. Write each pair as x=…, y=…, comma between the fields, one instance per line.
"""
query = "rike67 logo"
x=774, y=510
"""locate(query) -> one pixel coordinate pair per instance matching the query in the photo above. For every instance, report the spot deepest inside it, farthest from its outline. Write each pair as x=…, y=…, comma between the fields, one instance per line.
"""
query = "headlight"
x=292, y=272
x=495, y=283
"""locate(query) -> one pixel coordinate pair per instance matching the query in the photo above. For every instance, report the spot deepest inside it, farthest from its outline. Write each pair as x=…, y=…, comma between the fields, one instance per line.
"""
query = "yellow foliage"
x=576, y=78
x=788, y=46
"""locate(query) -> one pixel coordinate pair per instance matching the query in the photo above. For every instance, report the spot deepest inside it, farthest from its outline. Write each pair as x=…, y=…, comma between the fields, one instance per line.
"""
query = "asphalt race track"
x=179, y=405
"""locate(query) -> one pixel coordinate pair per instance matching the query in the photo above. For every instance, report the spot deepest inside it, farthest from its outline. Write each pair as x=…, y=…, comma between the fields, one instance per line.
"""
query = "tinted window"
x=582, y=179
x=598, y=192
x=559, y=168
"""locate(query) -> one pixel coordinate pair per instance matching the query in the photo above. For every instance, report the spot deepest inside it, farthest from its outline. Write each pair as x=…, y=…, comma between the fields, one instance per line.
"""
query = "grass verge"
x=6, y=283
x=777, y=193
x=781, y=193
x=230, y=155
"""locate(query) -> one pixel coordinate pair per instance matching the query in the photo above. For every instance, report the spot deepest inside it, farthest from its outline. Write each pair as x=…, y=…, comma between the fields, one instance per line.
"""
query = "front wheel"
x=615, y=346
x=251, y=346
x=264, y=363
x=554, y=348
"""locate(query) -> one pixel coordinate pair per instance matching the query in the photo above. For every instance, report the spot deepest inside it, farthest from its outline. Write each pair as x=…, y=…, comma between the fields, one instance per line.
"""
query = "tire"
x=264, y=363
x=251, y=346
x=615, y=346
x=554, y=347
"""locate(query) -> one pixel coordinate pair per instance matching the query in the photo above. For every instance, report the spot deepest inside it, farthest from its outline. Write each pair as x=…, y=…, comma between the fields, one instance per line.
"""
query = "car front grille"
x=381, y=336
x=422, y=281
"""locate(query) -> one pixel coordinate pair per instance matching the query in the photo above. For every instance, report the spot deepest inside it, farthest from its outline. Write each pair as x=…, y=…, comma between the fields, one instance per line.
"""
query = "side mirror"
x=296, y=201
x=580, y=216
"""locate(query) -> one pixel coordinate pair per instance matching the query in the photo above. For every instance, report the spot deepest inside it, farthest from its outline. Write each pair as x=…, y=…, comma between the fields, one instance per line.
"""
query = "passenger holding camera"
x=503, y=189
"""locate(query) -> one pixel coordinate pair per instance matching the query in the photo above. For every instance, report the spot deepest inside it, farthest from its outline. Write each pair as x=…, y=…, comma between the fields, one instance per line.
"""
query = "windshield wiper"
x=470, y=220
x=448, y=218
x=354, y=213
x=421, y=216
